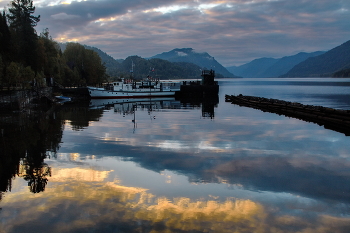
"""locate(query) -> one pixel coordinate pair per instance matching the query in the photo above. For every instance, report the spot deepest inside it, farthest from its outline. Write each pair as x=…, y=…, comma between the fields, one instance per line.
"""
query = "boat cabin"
x=146, y=85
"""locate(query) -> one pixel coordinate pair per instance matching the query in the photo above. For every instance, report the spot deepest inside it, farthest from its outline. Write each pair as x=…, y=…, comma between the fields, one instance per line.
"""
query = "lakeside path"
x=333, y=119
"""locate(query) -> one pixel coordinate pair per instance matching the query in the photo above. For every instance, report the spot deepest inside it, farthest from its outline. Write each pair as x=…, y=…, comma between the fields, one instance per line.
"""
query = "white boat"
x=135, y=89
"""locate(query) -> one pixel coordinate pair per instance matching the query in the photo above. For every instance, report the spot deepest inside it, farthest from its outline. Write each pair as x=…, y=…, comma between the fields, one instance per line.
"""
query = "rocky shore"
x=21, y=100
x=334, y=119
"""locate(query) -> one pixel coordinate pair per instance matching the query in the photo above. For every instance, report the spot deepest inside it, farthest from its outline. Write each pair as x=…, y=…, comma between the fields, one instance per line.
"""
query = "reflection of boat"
x=130, y=106
x=167, y=102
x=149, y=104
x=135, y=89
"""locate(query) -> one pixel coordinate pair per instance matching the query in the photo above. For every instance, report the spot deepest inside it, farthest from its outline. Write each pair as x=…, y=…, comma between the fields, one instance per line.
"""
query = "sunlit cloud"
x=66, y=2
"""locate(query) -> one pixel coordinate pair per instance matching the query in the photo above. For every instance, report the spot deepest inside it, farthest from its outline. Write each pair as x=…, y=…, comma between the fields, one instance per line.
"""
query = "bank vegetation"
x=31, y=59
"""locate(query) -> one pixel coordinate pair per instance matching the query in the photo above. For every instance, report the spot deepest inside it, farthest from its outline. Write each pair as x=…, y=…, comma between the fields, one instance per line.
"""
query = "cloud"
x=231, y=31
x=63, y=16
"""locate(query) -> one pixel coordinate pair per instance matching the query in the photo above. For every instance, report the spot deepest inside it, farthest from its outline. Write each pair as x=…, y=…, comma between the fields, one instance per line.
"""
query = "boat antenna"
x=132, y=68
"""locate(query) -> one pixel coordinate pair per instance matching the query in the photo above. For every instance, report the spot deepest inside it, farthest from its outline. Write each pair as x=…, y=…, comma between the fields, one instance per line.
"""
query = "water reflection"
x=82, y=204
x=172, y=166
x=112, y=207
x=130, y=106
x=26, y=140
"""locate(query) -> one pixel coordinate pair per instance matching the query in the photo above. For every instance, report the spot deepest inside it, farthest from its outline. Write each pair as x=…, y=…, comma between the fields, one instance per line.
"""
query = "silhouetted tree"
x=5, y=44
x=86, y=65
x=22, y=23
x=49, y=56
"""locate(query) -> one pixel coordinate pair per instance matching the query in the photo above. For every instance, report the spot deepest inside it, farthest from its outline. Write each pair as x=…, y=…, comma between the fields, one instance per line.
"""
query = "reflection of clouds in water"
x=310, y=176
x=81, y=174
x=312, y=166
x=238, y=131
x=91, y=205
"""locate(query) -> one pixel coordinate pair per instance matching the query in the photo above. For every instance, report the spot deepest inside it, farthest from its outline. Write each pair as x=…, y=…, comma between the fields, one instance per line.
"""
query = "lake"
x=167, y=165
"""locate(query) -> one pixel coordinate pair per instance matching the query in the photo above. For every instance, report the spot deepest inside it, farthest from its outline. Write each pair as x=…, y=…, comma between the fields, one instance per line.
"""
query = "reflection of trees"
x=35, y=174
x=25, y=140
x=80, y=116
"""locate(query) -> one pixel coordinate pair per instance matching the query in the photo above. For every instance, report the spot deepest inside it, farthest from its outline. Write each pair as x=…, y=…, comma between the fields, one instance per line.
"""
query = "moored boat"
x=128, y=88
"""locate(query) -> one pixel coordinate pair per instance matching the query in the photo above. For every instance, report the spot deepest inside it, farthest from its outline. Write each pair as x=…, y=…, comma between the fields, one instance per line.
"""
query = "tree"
x=1, y=69
x=94, y=69
x=86, y=64
x=5, y=44
x=48, y=53
x=21, y=17
x=13, y=74
x=22, y=23
x=5, y=37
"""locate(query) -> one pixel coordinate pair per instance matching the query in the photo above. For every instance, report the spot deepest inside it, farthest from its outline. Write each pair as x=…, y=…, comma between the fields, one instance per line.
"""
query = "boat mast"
x=132, y=69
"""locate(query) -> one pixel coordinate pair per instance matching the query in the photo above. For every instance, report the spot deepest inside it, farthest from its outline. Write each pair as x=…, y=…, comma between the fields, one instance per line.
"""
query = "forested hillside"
x=324, y=65
x=270, y=67
x=157, y=68
x=253, y=69
x=342, y=73
x=284, y=64
x=142, y=67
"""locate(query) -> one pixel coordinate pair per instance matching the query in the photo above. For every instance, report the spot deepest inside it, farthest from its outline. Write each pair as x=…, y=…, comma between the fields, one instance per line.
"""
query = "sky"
x=233, y=32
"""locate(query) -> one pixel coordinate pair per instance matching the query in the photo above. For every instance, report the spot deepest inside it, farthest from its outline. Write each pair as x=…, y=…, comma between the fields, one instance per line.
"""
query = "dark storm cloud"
x=231, y=31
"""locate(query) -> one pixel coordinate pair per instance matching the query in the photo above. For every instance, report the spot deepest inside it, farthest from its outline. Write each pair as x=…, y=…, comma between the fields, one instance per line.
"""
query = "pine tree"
x=22, y=23
x=5, y=38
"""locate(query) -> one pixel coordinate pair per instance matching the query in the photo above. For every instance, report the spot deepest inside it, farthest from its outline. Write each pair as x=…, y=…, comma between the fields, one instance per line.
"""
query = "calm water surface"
x=172, y=166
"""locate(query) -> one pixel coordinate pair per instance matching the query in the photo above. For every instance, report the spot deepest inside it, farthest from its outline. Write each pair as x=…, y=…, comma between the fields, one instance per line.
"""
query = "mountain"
x=163, y=69
x=159, y=68
x=284, y=64
x=271, y=67
x=326, y=64
x=253, y=69
x=203, y=60
x=112, y=65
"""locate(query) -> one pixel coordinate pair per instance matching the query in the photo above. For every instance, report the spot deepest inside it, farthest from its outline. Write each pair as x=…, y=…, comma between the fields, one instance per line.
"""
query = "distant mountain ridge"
x=335, y=62
x=253, y=69
x=271, y=67
x=327, y=64
x=203, y=60
x=175, y=68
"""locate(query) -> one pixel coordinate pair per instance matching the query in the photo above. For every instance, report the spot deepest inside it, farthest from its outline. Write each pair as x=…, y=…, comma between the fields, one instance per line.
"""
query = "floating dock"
x=333, y=119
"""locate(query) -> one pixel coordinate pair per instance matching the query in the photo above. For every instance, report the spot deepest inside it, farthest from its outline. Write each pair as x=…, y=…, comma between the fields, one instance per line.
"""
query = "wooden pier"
x=333, y=119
